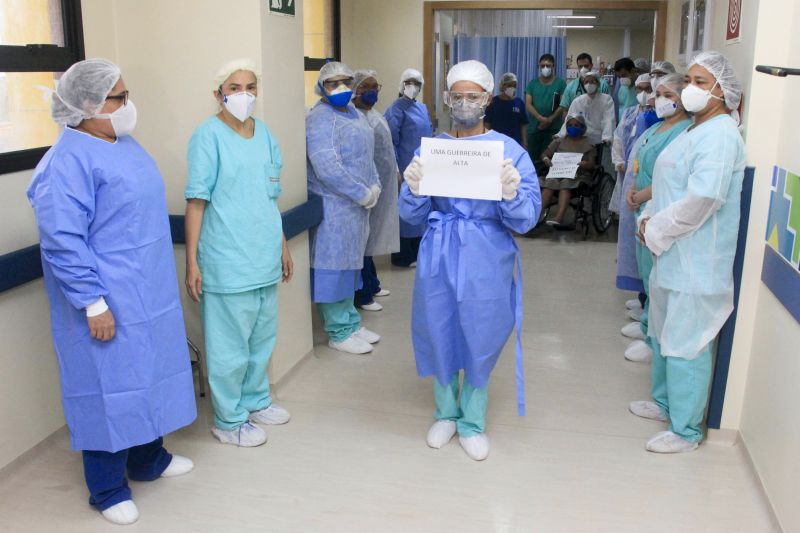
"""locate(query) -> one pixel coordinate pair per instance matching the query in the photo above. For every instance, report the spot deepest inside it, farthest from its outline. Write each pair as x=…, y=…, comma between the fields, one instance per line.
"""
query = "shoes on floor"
x=372, y=306
x=632, y=330
x=122, y=514
x=179, y=466
x=477, y=446
x=633, y=303
x=669, y=442
x=635, y=314
x=383, y=292
x=274, y=415
x=647, y=409
x=440, y=433
x=352, y=344
x=245, y=436
x=638, y=351
x=366, y=335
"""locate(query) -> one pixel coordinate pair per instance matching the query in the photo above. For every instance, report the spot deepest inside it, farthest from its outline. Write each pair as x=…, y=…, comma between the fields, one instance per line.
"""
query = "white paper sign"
x=565, y=165
x=461, y=169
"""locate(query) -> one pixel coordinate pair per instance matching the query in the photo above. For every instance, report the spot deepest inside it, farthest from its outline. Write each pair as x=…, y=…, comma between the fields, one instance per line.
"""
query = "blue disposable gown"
x=104, y=231
x=409, y=122
x=464, y=304
x=340, y=148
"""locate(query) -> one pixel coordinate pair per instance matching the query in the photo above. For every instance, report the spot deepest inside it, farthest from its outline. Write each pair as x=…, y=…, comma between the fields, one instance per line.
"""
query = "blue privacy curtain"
x=519, y=55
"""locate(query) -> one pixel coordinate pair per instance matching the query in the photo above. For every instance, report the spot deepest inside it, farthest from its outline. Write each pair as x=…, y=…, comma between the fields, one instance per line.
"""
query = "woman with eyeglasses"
x=109, y=272
x=236, y=254
x=466, y=298
x=409, y=122
x=340, y=149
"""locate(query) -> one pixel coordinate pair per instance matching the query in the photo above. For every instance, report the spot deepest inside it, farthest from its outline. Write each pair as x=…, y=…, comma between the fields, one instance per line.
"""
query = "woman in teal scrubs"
x=236, y=255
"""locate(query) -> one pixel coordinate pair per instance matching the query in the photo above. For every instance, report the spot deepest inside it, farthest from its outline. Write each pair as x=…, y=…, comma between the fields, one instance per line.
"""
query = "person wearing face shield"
x=506, y=114
x=690, y=226
x=109, y=273
x=596, y=108
x=467, y=299
x=409, y=122
x=638, y=192
x=236, y=254
x=340, y=148
x=577, y=86
x=384, y=221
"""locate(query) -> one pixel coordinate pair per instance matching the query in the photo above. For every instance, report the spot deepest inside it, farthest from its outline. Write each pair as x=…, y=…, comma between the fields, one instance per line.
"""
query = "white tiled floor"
x=354, y=458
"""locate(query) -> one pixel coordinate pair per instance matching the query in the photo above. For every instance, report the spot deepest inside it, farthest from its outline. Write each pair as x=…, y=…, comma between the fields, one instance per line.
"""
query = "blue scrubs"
x=409, y=122
x=465, y=301
x=507, y=117
x=239, y=255
x=104, y=231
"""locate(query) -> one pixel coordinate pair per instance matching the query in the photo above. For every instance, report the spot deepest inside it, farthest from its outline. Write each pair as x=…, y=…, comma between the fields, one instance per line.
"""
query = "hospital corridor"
x=399, y=265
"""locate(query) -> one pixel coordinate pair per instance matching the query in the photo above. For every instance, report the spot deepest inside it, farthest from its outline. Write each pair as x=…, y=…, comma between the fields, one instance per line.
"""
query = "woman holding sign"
x=466, y=300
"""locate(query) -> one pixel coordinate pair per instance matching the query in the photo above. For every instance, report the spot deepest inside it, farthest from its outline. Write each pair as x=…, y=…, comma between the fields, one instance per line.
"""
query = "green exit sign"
x=282, y=7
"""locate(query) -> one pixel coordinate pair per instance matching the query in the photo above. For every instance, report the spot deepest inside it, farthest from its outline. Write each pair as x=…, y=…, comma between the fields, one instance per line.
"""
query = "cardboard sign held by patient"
x=461, y=169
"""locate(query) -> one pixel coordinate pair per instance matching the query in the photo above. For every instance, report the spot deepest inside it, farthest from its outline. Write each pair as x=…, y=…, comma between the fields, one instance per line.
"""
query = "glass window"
x=25, y=120
x=31, y=22
x=699, y=25
x=320, y=40
x=684, y=27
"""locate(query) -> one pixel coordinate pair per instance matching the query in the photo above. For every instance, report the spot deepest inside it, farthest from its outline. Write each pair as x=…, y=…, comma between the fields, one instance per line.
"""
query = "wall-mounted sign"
x=282, y=7
x=733, y=32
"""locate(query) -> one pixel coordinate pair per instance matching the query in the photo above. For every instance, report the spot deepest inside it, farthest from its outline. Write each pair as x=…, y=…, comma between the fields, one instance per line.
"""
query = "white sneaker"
x=366, y=335
x=632, y=330
x=477, y=446
x=669, y=442
x=639, y=352
x=246, y=436
x=122, y=514
x=633, y=304
x=374, y=306
x=440, y=433
x=647, y=409
x=179, y=466
x=273, y=415
x=413, y=264
x=351, y=344
x=635, y=314
x=383, y=292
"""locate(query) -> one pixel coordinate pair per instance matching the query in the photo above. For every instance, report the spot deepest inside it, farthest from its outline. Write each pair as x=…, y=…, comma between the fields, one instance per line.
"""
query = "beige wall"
x=169, y=74
x=608, y=43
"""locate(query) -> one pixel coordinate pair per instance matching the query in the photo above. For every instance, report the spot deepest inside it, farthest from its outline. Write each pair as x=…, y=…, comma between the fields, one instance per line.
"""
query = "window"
x=321, y=41
x=39, y=39
x=695, y=22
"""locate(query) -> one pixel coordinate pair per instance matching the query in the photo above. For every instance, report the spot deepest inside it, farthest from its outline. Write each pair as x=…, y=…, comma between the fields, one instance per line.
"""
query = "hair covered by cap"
x=673, y=82
x=363, y=74
x=82, y=91
x=331, y=70
x=508, y=77
x=720, y=67
x=410, y=74
x=473, y=71
x=642, y=64
x=577, y=116
x=663, y=66
x=230, y=67
x=643, y=78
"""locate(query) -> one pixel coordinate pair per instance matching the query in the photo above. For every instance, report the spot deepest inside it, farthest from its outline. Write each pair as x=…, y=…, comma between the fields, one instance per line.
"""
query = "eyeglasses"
x=122, y=97
x=453, y=97
x=415, y=83
x=332, y=84
x=377, y=88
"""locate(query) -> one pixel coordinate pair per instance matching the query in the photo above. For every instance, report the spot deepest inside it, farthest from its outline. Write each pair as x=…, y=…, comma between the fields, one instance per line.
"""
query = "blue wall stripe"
x=25, y=265
x=782, y=279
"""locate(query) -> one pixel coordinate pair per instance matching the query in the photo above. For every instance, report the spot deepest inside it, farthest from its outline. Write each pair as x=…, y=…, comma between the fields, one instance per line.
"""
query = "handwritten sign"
x=461, y=169
x=565, y=165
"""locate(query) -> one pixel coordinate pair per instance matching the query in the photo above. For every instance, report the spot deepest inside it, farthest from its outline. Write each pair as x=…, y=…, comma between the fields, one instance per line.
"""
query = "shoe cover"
x=669, y=442
x=632, y=330
x=352, y=344
x=123, y=513
x=374, y=306
x=179, y=466
x=246, y=436
x=440, y=433
x=647, y=409
x=477, y=446
x=633, y=304
x=366, y=335
x=639, y=352
x=271, y=416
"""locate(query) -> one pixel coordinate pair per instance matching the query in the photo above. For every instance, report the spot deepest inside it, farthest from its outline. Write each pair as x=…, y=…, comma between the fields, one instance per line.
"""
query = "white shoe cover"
x=477, y=446
x=246, y=436
x=632, y=330
x=639, y=352
x=647, y=409
x=352, y=344
x=635, y=314
x=633, y=304
x=122, y=514
x=383, y=292
x=440, y=433
x=179, y=466
x=669, y=442
x=366, y=335
x=374, y=306
x=273, y=415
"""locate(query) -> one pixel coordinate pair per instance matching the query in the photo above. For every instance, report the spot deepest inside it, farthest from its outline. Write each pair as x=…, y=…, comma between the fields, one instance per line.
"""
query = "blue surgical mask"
x=369, y=98
x=574, y=131
x=650, y=117
x=340, y=96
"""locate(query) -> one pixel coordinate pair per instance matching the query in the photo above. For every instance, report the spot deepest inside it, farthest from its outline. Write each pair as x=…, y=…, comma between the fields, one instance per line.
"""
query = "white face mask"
x=642, y=97
x=123, y=120
x=591, y=88
x=511, y=92
x=696, y=99
x=240, y=105
x=583, y=71
x=665, y=107
x=546, y=71
x=625, y=82
x=411, y=91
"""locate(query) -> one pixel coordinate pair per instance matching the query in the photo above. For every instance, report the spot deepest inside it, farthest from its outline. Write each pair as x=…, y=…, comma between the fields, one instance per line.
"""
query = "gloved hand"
x=510, y=178
x=413, y=175
x=375, y=190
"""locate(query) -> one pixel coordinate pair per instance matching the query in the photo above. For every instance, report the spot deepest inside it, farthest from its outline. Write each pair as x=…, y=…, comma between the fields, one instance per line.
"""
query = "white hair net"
x=473, y=71
x=82, y=90
x=642, y=64
x=508, y=77
x=663, y=66
x=594, y=74
x=410, y=74
x=675, y=82
x=643, y=78
x=232, y=66
x=331, y=70
x=720, y=67
x=362, y=74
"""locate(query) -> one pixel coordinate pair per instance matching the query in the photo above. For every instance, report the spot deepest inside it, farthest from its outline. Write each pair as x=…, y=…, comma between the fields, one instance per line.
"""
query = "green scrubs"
x=543, y=98
x=468, y=411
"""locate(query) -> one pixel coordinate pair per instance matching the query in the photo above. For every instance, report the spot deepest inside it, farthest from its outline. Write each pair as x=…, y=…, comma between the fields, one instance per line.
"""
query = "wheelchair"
x=590, y=201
